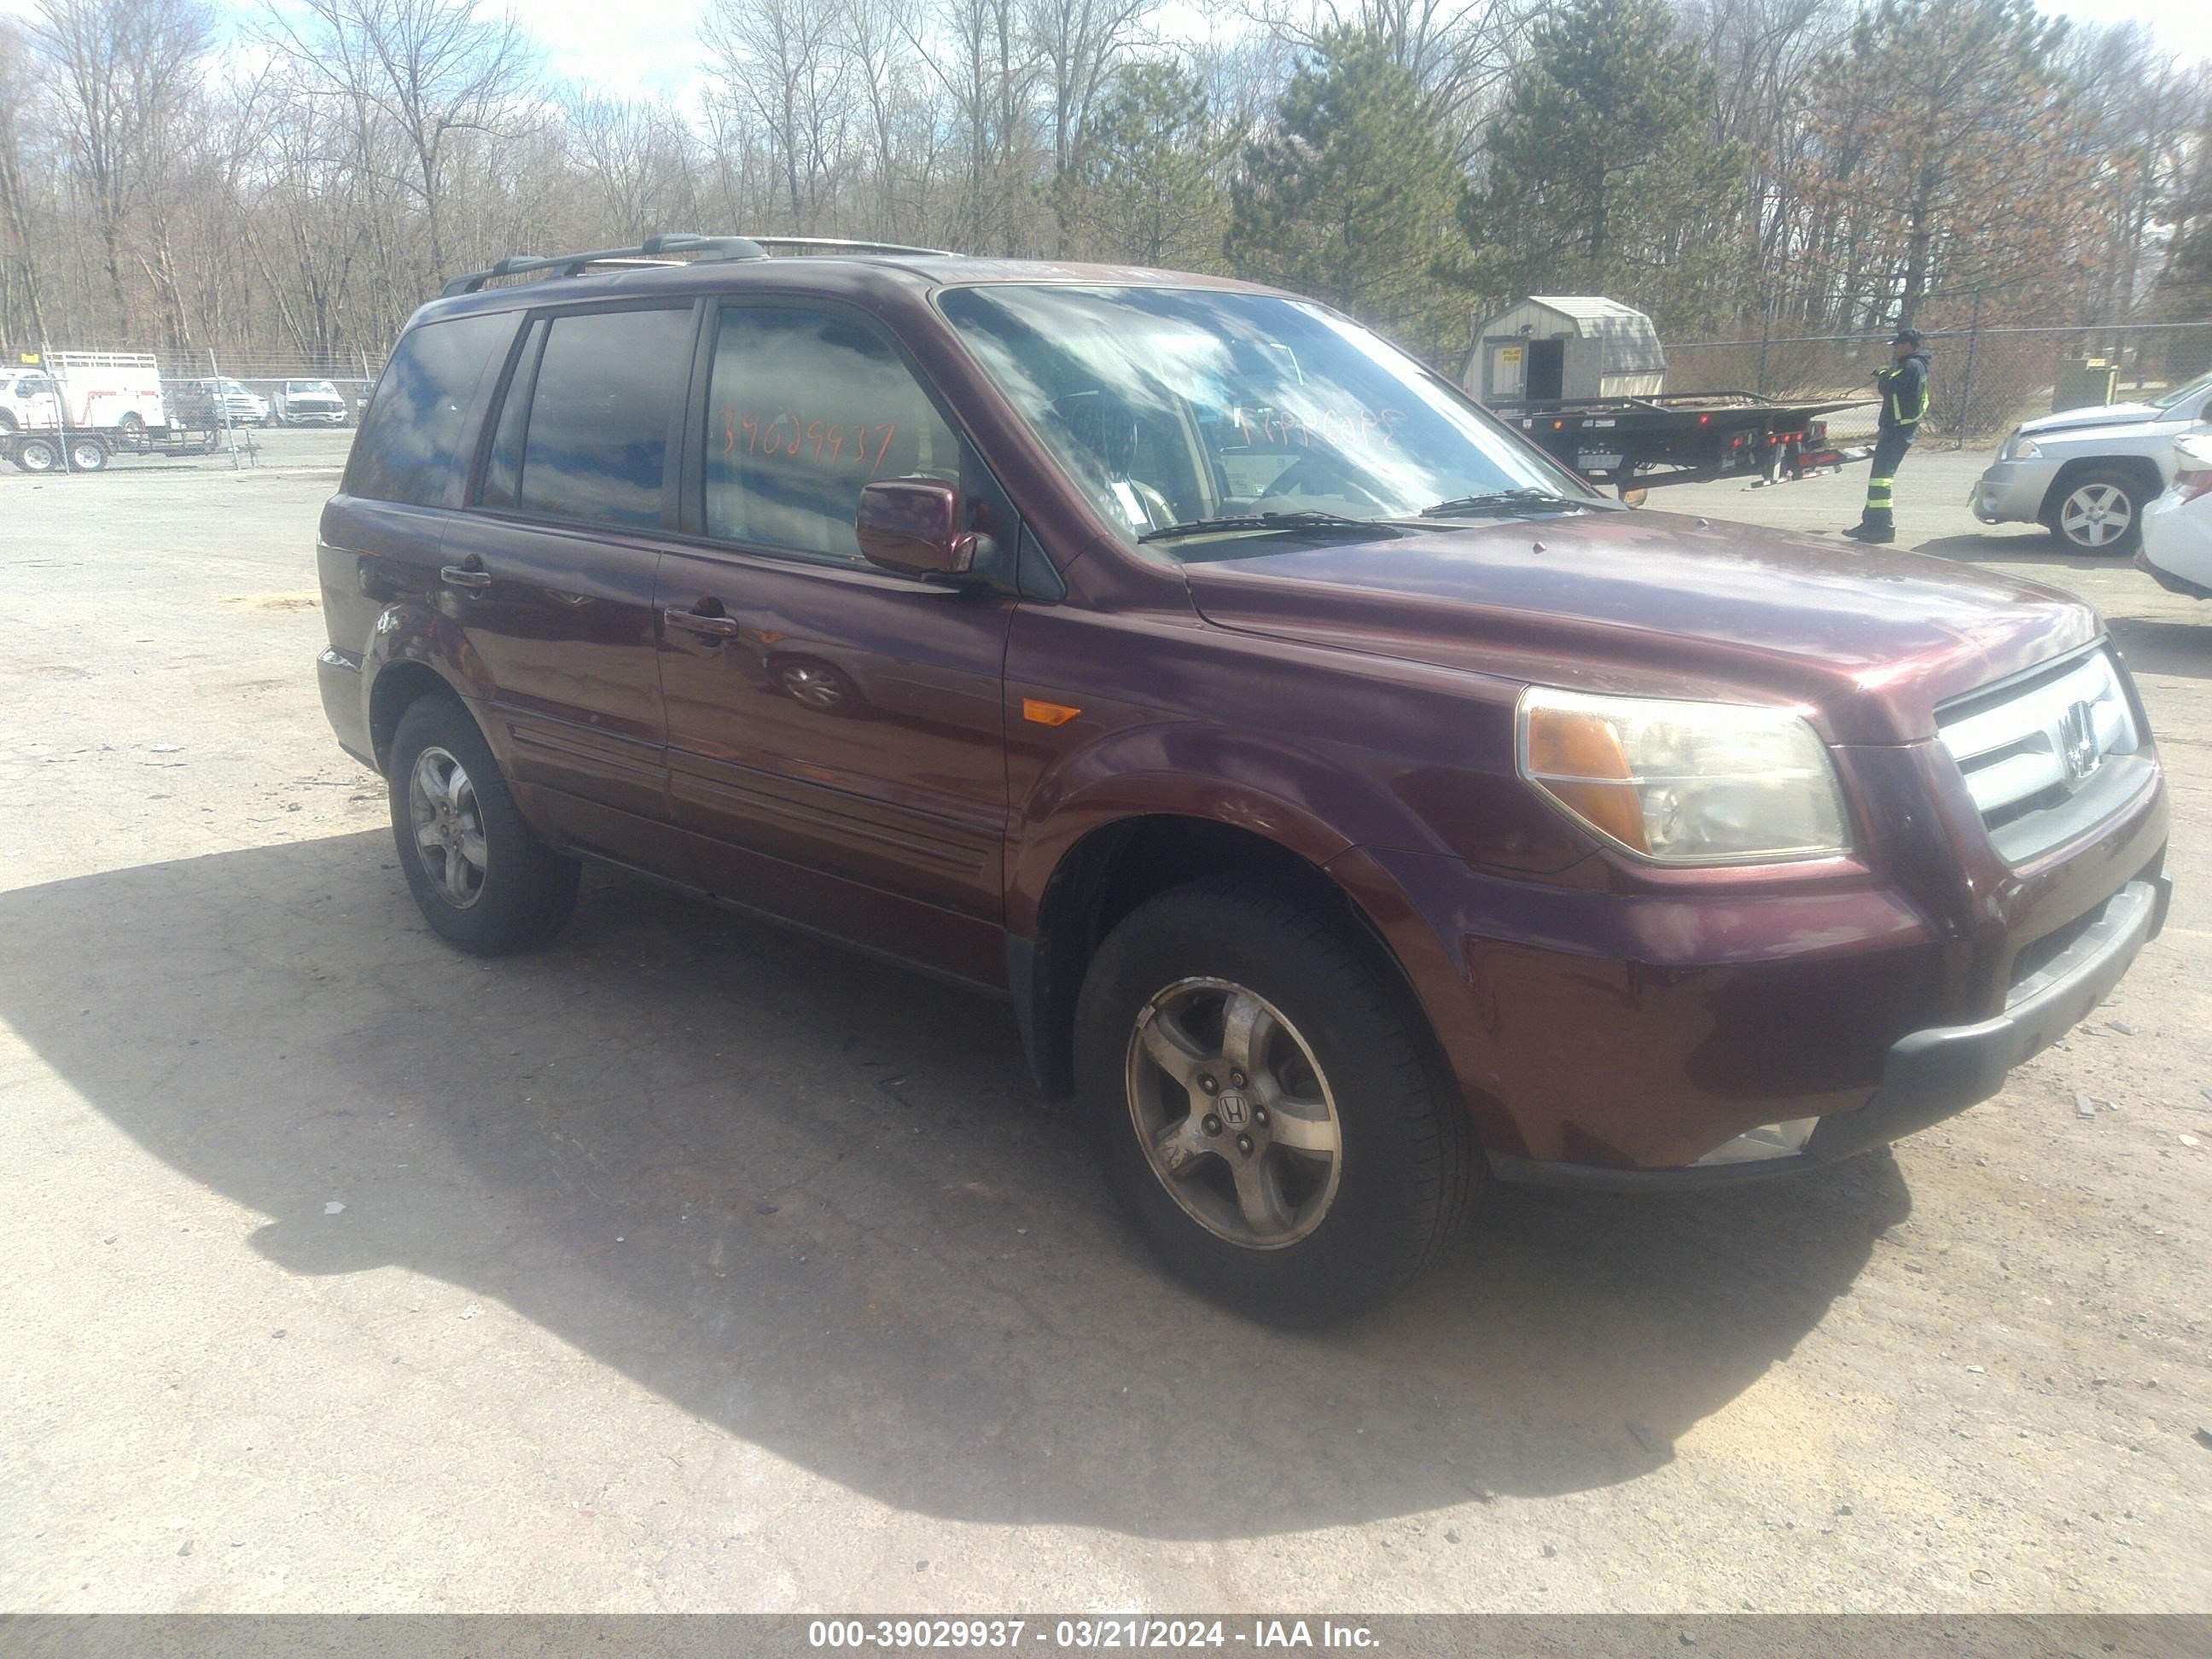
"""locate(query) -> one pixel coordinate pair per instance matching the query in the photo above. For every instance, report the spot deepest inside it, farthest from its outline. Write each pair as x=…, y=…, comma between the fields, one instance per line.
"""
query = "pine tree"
x=1145, y=187
x=1349, y=198
x=1601, y=174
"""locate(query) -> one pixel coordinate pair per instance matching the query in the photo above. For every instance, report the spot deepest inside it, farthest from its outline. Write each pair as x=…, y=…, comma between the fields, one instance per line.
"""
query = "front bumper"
x=1930, y=1075
x=2012, y=492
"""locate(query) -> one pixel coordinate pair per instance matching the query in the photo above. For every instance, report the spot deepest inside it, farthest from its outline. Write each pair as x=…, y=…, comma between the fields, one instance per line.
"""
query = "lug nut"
x=1244, y=1144
x=1238, y=1080
x=1206, y=1084
x=1211, y=1125
x=1259, y=1115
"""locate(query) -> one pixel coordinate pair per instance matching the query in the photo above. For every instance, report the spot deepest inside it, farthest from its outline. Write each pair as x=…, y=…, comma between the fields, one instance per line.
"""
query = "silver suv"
x=2086, y=474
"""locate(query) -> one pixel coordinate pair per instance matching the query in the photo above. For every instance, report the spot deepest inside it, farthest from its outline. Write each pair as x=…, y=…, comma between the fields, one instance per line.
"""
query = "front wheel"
x=1268, y=1107
x=485, y=882
x=37, y=455
x=2101, y=512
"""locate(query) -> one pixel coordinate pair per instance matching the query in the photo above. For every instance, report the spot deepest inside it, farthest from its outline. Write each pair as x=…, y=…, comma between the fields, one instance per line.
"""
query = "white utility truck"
x=77, y=408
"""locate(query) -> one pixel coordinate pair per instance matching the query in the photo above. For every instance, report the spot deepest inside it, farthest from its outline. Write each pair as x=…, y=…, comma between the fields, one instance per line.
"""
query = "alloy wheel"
x=2096, y=515
x=818, y=688
x=449, y=832
x=1233, y=1112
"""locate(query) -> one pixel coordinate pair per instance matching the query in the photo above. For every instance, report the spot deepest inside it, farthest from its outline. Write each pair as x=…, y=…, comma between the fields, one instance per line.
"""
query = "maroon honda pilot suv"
x=1353, y=806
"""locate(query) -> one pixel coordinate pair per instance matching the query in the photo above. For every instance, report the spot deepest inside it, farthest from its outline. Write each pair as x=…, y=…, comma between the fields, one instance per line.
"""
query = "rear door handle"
x=714, y=628
x=455, y=576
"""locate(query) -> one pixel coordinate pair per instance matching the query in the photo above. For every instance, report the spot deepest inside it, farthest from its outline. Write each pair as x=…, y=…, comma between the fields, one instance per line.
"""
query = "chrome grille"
x=2035, y=749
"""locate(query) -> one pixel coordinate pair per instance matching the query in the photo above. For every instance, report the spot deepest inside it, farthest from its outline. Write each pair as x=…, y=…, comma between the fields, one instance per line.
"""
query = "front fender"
x=1187, y=769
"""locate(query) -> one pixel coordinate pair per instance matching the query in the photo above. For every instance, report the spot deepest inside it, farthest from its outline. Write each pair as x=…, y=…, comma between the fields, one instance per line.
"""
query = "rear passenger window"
x=404, y=451
x=608, y=386
x=804, y=408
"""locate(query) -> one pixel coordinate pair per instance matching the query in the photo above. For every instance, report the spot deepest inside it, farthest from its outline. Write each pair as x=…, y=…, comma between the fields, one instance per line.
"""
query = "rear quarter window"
x=407, y=448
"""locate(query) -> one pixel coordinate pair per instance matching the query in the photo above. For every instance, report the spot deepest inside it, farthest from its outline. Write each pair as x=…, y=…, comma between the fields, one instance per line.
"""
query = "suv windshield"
x=1172, y=408
x=295, y=386
x=2182, y=393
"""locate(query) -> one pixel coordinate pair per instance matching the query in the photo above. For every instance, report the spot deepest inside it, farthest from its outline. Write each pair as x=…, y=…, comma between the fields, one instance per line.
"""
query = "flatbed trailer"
x=90, y=448
x=1633, y=444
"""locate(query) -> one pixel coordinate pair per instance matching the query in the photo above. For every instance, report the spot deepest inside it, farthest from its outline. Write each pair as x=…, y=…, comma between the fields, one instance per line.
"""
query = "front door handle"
x=696, y=622
x=455, y=576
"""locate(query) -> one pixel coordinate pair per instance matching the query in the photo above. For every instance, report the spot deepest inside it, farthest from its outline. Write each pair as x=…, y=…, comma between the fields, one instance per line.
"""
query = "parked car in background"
x=310, y=403
x=2086, y=474
x=1348, y=817
x=2177, y=536
x=239, y=403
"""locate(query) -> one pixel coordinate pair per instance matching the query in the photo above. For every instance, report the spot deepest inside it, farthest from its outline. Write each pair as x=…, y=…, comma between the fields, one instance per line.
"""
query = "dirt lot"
x=692, y=1266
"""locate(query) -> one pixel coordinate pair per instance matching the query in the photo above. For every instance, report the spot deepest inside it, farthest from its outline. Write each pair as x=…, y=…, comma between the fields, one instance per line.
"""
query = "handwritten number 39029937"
x=787, y=433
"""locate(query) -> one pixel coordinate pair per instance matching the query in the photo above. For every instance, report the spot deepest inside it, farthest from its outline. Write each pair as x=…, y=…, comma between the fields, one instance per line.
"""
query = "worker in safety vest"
x=1904, y=388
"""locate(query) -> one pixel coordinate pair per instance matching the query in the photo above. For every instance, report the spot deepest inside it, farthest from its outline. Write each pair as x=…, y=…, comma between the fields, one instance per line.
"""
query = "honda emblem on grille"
x=2077, y=744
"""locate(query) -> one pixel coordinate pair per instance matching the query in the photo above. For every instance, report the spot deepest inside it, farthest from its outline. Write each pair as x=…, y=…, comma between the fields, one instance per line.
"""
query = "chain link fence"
x=1984, y=381
x=350, y=372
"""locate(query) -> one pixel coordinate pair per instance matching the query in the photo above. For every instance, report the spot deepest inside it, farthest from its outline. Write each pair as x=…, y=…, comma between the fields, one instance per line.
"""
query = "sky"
x=647, y=48
x=655, y=49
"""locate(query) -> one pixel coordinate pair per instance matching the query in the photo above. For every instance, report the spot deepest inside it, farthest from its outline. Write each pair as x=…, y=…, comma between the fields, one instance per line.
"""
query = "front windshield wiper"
x=1296, y=520
x=1508, y=500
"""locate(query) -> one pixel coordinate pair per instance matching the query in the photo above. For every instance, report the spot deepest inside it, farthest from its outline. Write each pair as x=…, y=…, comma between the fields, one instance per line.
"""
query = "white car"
x=2086, y=475
x=2177, y=527
x=300, y=403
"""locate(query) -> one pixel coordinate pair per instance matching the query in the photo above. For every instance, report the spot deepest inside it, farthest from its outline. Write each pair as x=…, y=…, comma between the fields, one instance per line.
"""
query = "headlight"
x=2017, y=448
x=1684, y=782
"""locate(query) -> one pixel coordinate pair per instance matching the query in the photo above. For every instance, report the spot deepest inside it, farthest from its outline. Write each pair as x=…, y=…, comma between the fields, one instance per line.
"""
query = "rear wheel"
x=2101, y=512
x=1267, y=1106
x=88, y=454
x=485, y=882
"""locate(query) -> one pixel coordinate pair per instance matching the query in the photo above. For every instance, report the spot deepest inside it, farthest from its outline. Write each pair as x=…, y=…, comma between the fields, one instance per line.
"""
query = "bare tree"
x=119, y=68
x=21, y=108
x=782, y=62
x=433, y=69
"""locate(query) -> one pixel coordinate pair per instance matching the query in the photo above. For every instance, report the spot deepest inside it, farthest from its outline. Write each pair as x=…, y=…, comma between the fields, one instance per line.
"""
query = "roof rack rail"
x=843, y=245
x=664, y=248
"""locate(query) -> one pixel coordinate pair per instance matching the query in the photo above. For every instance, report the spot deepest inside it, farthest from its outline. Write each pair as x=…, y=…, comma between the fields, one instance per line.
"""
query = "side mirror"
x=912, y=525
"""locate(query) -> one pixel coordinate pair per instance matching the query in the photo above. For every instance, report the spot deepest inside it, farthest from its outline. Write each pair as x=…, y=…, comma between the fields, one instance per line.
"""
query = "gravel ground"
x=692, y=1266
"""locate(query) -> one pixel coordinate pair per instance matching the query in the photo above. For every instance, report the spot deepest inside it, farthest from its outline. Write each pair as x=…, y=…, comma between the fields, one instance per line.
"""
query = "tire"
x=1351, y=1061
x=132, y=423
x=87, y=455
x=2100, y=512
x=39, y=455
x=512, y=892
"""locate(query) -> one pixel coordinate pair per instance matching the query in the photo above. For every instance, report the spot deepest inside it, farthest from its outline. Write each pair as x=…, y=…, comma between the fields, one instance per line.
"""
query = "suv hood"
x=1656, y=604
x=2089, y=419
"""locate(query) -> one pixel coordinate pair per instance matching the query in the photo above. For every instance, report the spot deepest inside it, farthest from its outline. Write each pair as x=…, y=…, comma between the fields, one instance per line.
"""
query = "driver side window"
x=803, y=409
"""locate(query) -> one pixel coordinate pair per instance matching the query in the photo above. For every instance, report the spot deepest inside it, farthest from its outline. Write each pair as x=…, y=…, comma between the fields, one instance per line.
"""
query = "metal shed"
x=1551, y=346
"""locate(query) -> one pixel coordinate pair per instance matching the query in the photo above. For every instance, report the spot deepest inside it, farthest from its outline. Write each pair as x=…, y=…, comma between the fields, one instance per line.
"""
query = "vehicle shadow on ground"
x=2155, y=646
x=813, y=1201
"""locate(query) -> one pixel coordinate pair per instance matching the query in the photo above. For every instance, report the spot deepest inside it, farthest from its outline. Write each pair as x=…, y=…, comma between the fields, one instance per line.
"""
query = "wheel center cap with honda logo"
x=1233, y=1110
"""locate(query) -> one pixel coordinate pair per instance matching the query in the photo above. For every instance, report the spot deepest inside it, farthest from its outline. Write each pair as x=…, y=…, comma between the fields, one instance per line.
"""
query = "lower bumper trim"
x=1930, y=1075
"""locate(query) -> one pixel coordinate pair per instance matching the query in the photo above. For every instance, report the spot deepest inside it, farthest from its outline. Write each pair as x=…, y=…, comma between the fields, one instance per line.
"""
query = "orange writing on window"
x=861, y=444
